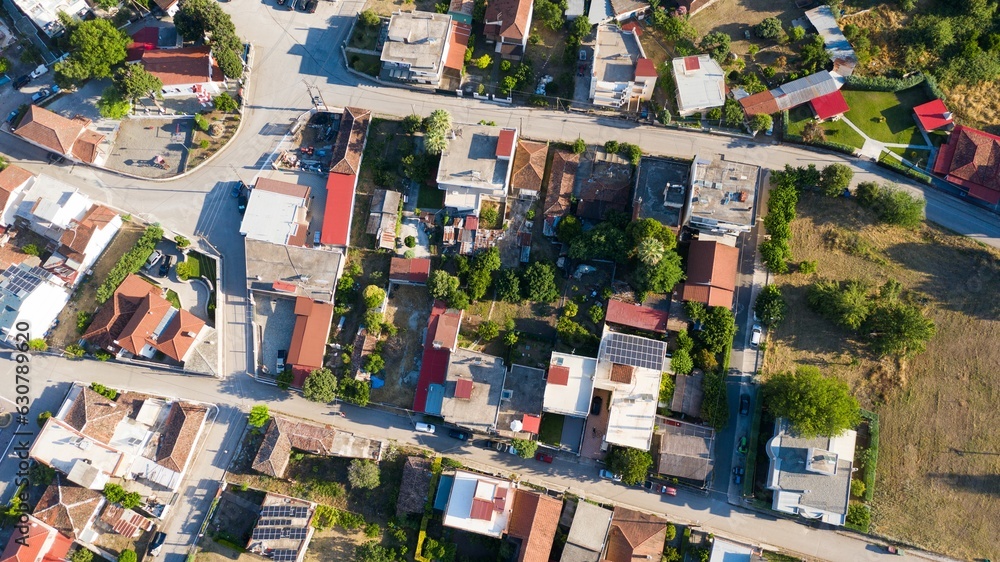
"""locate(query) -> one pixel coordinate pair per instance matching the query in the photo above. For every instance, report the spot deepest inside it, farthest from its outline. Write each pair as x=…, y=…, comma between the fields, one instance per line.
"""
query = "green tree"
x=259, y=416
x=775, y=254
x=716, y=44
x=369, y=18
x=114, y=493
x=859, y=516
x=354, y=391
x=128, y=556
x=659, y=278
x=705, y=360
x=596, y=313
x=134, y=82
x=632, y=464
x=611, y=147
x=229, y=61
x=374, y=295
x=650, y=251
x=112, y=105
x=31, y=250
x=374, y=321
x=488, y=330
x=459, y=300
x=719, y=329
x=96, y=47
x=770, y=306
x=761, y=122
x=483, y=62
x=441, y=285
x=373, y=551
x=510, y=338
x=412, y=123
x=38, y=344
x=285, y=379
x=363, y=474
x=568, y=229
x=571, y=309
x=320, y=386
x=81, y=554
x=846, y=304
x=834, y=179
x=540, y=282
x=525, y=447
x=436, y=128
x=508, y=286
x=681, y=362
x=814, y=55
x=898, y=329
x=579, y=146
x=769, y=28
x=508, y=83
x=225, y=103
x=373, y=363
x=131, y=500
x=813, y=404
x=43, y=417
x=549, y=13
x=796, y=33
x=181, y=242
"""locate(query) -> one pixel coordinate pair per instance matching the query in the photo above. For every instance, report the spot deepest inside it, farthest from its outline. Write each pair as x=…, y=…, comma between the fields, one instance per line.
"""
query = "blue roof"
x=443, y=492
x=435, y=398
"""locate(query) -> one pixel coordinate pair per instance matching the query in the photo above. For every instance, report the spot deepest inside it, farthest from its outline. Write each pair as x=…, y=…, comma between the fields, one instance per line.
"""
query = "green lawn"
x=430, y=198
x=836, y=131
x=550, y=430
x=173, y=299
x=867, y=109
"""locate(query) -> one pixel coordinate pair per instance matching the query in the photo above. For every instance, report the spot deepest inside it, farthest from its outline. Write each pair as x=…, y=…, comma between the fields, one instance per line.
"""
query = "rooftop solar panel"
x=636, y=351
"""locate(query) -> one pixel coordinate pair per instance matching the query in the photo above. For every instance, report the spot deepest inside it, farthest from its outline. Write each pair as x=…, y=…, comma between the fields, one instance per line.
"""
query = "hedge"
x=869, y=476
x=130, y=262
x=882, y=83
x=891, y=163
x=428, y=510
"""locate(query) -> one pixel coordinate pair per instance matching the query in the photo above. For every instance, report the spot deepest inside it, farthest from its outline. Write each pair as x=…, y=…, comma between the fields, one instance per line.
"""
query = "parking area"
x=273, y=319
x=661, y=189
x=597, y=426
x=141, y=140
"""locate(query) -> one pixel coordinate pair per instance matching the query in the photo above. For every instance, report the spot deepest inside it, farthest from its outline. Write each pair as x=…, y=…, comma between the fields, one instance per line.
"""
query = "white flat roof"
x=725, y=551
x=273, y=217
x=573, y=398
x=633, y=406
x=60, y=446
x=468, y=487
x=701, y=87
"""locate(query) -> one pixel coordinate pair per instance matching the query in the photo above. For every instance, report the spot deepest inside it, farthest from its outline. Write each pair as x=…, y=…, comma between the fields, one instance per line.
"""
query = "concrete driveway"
x=413, y=227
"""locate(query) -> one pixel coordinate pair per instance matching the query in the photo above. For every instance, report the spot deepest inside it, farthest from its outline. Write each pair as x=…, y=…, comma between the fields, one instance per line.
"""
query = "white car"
x=755, y=336
x=425, y=427
x=42, y=69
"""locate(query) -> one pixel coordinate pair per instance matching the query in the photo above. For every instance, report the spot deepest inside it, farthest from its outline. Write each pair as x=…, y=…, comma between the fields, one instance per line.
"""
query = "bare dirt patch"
x=936, y=467
x=387, y=7
x=408, y=310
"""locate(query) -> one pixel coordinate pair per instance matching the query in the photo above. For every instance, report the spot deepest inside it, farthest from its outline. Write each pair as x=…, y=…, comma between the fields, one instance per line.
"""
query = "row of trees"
x=204, y=20
x=890, y=204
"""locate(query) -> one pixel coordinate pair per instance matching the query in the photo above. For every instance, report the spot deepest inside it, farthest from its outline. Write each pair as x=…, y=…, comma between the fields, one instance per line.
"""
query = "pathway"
x=874, y=148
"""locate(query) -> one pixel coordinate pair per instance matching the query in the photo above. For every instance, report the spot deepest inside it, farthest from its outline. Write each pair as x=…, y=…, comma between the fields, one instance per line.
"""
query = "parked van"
x=42, y=69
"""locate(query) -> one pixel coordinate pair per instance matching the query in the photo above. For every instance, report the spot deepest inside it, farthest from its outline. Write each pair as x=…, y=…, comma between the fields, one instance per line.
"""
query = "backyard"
x=408, y=310
x=935, y=410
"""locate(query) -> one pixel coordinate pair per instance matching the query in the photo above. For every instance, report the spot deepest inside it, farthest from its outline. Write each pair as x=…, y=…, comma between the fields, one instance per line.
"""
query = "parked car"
x=595, y=405
x=40, y=95
x=608, y=475
x=744, y=405
x=742, y=447
x=659, y=488
x=21, y=82
x=540, y=456
x=310, y=6
x=165, y=265
x=739, y=471
x=458, y=434
x=153, y=258
x=42, y=69
x=235, y=191
x=279, y=366
x=737, y=479
x=242, y=200
x=897, y=552
x=425, y=427
x=156, y=544
x=755, y=336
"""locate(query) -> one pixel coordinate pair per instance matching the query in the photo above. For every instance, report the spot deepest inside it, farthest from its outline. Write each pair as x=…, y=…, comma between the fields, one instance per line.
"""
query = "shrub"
x=363, y=474
x=488, y=330
x=632, y=464
x=285, y=379
x=74, y=351
x=355, y=391
x=109, y=393
x=490, y=216
x=834, y=179
x=505, y=65
x=374, y=296
x=83, y=319
x=611, y=147
x=129, y=263
x=596, y=313
x=81, y=554
x=571, y=309
x=128, y=556
x=31, y=250
x=891, y=204
x=259, y=415
x=410, y=241
x=882, y=83
x=769, y=28
x=857, y=488
x=114, y=493
x=859, y=516
x=770, y=306
x=373, y=363
x=705, y=360
x=525, y=448
x=671, y=532
x=369, y=18
x=38, y=344
x=807, y=267
x=579, y=146
x=42, y=418
x=681, y=362
x=200, y=122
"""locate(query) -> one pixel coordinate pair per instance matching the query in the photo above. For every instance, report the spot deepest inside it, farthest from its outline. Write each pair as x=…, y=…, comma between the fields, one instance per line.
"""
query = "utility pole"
x=316, y=96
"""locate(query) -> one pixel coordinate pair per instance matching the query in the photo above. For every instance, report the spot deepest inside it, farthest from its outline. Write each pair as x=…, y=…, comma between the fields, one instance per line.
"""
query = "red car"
x=543, y=457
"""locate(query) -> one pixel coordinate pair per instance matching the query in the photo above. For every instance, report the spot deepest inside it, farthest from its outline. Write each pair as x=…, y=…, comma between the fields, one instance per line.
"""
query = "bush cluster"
x=130, y=262
x=890, y=204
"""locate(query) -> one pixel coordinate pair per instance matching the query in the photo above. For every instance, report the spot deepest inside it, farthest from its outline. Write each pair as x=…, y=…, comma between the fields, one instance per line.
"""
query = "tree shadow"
x=977, y=483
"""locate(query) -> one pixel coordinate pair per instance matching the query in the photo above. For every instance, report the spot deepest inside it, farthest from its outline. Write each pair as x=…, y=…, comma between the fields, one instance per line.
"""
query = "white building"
x=569, y=386
x=277, y=213
x=13, y=182
x=45, y=13
x=31, y=298
x=630, y=367
x=701, y=84
x=476, y=165
x=479, y=504
x=621, y=75
x=416, y=47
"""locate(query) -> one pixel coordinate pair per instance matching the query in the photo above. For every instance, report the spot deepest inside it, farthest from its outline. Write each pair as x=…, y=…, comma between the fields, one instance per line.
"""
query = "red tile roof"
x=458, y=42
x=830, y=105
x=635, y=536
x=761, y=102
x=633, y=27
x=622, y=373
x=463, y=389
x=635, y=316
x=350, y=144
x=529, y=165
x=434, y=362
x=180, y=432
x=711, y=273
x=94, y=415
x=531, y=423
x=562, y=175
x=472, y=222
x=558, y=374
x=336, y=229
x=41, y=543
x=505, y=143
x=412, y=270
x=933, y=115
x=178, y=67
x=644, y=68
x=67, y=507
x=513, y=16
x=692, y=63
x=11, y=178
x=125, y=521
x=971, y=159
x=534, y=519
x=69, y=137
x=442, y=329
x=309, y=336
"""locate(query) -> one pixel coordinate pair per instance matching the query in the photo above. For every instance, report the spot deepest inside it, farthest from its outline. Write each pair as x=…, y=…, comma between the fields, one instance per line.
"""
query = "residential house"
x=49, y=207
x=792, y=94
x=36, y=541
x=82, y=242
x=837, y=46
x=569, y=385
x=45, y=13
x=588, y=533
x=29, y=294
x=617, y=11
x=508, y=24
x=529, y=168
x=476, y=166
x=277, y=270
x=810, y=477
x=721, y=198
x=465, y=236
x=621, y=75
x=169, y=7
x=416, y=47
x=636, y=316
x=283, y=528
x=67, y=137
x=683, y=450
x=282, y=435
x=461, y=11
x=630, y=367
x=533, y=524
x=558, y=197
x=83, y=460
x=971, y=160
x=125, y=522
x=342, y=182
x=440, y=342
x=479, y=504
x=138, y=322
x=414, y=487
x=829, y=107
x=724, y=550
x=689, y=393
x=186, y=71
x=13, y=181
x=308, y=348
x=70, y=509
x=606, y=189
x=933, y=116
x=635, y=536
x=701, y=84
x=409, y=271
x=470, y=395
x=278, y=212
x=383, y=217
x=520, y=408
x=711, y=273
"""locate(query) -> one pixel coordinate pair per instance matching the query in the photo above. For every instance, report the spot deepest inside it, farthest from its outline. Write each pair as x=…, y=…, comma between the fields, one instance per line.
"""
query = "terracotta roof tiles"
x=512, y=15
x=534, y=519
x=562, y=176
x=176, y=67
x=635, y=535
x=67, y=507
x=95, y=416
x=350, y=143
x=179, y=435
x=57, y=133
x=529, y=165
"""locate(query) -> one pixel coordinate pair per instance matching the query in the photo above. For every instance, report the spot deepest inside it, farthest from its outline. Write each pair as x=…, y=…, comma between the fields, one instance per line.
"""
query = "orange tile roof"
x=115, y=314
x=31, y=546
x=55, y=132
x=180, y=334
x=636, y=316
x=282, y=187
x=635, y=536
x=562, y=176
x=85, y=147
x=558, y=374
x=529, y=165
x=644, y=68
x=458, y=42
x=176, y=67
x=711, y=273
x=761, y=102
x=513, y=16
x=179, y=435
x=534, y=519
x=971, y=159
x=312, y=327
x=350, y=143
x=67, y=506
x=412, y=270
x=622, y=373
x=11, y=178
x=505, y=143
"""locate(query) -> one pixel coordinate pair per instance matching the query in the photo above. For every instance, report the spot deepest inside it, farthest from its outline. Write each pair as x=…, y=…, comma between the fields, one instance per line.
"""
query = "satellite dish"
x=516, y=425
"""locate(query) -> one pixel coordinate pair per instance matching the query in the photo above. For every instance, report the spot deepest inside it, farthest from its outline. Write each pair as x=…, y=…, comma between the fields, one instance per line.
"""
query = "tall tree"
x=813, y=404
x=96, y=46
x=898, y=329
x=719, y=329
x=436, y=128
x=770, y=306
x=632, y=464
x=320, y=386
x=834, y=179
x=259, y=415
x=539, y=280
x=134, y=82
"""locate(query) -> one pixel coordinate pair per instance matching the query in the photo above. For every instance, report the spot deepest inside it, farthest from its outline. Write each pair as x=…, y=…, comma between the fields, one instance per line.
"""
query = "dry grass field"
x=939, y=463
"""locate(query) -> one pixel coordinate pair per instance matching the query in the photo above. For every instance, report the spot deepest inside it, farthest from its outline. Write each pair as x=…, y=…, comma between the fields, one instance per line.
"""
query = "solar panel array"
x=274, y=522
x=284, y=555
x=636, y=351
x=273, y=533
x=23, y=281
x=283, y=511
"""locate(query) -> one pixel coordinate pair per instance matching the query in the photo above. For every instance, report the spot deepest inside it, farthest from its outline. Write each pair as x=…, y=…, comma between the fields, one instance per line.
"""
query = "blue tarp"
x=377, y=382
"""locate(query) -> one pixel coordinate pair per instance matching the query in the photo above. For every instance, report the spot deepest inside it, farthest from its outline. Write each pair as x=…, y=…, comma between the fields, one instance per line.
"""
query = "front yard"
x=887, y=116
x=836, y=131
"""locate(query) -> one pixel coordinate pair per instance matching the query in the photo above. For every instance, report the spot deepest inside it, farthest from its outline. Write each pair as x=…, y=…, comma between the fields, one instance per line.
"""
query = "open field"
x=734, y=17
x=936, y=483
